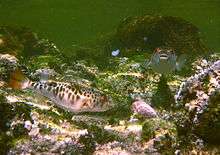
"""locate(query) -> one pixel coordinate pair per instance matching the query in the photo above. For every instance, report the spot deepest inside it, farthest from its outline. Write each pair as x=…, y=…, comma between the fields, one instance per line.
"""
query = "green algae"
x=163, y=97
x=209, y=121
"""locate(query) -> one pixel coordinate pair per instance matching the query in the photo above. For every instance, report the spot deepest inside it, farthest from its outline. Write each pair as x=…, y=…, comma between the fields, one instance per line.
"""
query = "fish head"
x=163, y=60
x=99, y=103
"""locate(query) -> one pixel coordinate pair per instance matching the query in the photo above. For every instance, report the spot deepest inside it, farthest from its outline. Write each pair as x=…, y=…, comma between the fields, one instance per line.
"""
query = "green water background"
x=71, y=23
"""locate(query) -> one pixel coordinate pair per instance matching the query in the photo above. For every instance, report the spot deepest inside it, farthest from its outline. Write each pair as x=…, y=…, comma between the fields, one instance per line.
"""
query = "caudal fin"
x=18, y=80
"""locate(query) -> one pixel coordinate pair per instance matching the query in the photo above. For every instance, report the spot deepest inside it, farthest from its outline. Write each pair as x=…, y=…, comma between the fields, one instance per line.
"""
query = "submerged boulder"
x=22, y=41
x=7, y=64
x=146, y=33
x=142, y=108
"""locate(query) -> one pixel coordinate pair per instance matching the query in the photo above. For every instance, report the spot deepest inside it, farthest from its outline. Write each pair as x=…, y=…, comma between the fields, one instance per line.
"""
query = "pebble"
x=34, y=132
x=10, y=58
x=28, y=125
x=142, y=108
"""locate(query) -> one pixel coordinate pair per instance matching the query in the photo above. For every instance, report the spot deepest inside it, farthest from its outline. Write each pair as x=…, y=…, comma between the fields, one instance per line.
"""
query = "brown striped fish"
x=69, y=97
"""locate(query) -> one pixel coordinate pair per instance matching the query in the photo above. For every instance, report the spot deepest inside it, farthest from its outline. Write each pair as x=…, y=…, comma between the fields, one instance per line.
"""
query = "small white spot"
x=115, y=53
x=28, y=125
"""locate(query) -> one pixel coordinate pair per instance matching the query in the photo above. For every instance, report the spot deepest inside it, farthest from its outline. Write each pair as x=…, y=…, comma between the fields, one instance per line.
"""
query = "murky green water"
x=69, y=23
x=104, y=102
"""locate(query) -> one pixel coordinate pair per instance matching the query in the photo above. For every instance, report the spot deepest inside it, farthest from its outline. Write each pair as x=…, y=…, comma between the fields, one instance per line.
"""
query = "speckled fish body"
x=71, y=97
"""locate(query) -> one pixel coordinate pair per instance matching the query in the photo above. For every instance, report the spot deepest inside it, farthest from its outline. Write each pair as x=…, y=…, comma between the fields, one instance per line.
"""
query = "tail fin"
x=18, y=80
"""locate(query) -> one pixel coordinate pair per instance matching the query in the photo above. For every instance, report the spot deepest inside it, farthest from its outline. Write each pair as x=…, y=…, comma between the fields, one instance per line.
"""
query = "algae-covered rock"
x=11, y=123
x=200, y=96
x=208, y=122
x=163, y=96
x=22, y=41
x=146, y=33
x=6, y=113
x=160, y=136
x=8, y=63
x=149, y=129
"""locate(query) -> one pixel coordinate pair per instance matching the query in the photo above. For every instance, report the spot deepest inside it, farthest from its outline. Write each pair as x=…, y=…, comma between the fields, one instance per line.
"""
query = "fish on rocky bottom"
x=164, y=61
x=69, y=97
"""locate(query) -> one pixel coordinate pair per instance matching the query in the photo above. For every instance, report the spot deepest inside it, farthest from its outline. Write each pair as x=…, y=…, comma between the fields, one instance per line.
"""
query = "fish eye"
x=172, y=51
x=158, y=50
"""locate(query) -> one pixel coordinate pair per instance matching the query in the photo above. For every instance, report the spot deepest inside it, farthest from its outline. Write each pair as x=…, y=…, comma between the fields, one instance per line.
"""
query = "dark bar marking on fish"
x=61, y=96
x=69, y=95
x=60, y=88
x=215, y=74
x=52, y=84
x=55, y=91
x=57, y=88
x=80, y=92
x=35, y=85
x=84, y=104
x=77, y=97
x=73, y=98
x=75, y=92
x=29, y=82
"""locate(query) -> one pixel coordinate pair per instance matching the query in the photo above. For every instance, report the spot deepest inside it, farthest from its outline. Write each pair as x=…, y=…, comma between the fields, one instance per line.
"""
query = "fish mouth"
x=163, y=56
x=164, y=52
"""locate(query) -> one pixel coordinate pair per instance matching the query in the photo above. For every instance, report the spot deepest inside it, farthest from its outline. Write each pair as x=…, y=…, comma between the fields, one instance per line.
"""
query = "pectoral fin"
x=181, y=62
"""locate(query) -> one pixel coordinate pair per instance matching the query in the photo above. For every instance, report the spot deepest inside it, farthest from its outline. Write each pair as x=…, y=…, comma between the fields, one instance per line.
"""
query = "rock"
x=28, y=125
x=21, y=41
x=9, y=58
x=8, y=63
x=136, y=35
x=200, y=96
x=142, y=108
x=34, y=131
